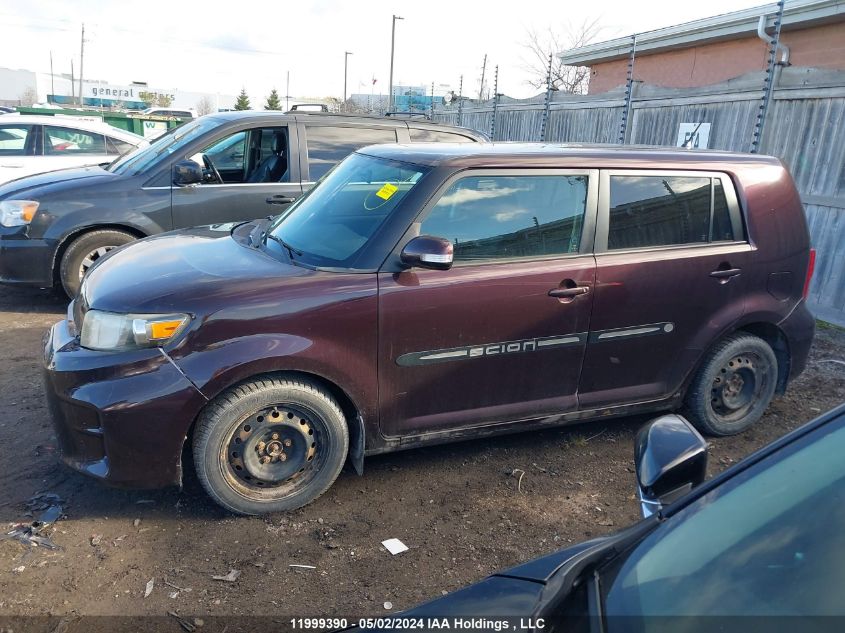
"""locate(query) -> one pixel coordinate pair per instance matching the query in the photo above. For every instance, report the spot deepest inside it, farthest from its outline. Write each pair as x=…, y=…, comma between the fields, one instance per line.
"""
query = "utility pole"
x=81, y=58
x=72, y=83
x=345, y=67
x=52, y=79
x=483, y=71
x=392, y=48
x=287, y=93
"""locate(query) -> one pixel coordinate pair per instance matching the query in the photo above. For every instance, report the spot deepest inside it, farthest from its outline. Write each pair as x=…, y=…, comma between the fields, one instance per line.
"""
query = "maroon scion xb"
x=429, y=293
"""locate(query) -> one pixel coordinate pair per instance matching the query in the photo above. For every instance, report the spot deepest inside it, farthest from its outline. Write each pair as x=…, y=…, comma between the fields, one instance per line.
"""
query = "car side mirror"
x=671, y=459
x=186, y=172
x=426, y=251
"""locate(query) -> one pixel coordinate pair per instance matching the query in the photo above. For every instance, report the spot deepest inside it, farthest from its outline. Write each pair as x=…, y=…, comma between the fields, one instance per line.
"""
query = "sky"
x=211, y=46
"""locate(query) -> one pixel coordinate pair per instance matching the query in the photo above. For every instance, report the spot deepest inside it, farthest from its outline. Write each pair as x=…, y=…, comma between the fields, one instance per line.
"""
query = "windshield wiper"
x=290, y=249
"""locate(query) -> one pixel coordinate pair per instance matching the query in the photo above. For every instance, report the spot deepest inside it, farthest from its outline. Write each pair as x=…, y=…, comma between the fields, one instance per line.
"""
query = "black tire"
x=84, y=251
x=734, y=385
x=238, y=430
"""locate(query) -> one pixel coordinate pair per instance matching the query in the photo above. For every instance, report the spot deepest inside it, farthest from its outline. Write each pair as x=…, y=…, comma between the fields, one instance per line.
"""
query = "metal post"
x=287, y=92
x=72, y=83
x=548, y=103
x=629, y=87
x=345, y=67
x=432, y=101
x=392, y=48
x=460, y=100
x=81, y=58
x=495, y=103
x=52, y=79
x=768, y=83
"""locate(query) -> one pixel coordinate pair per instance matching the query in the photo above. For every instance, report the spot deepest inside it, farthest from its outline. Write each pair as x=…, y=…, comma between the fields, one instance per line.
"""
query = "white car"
x=31, y=144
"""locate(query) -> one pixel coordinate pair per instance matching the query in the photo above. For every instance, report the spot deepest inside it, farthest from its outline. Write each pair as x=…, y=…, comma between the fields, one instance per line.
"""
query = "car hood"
x=192, y=270
x=51, y=181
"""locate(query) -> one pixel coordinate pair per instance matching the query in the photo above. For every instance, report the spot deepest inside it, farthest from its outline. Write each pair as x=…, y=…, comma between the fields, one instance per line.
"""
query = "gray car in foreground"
x=226, y=167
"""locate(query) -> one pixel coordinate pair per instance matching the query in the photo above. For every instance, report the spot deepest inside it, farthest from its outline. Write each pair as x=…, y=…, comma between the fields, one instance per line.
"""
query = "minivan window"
x=331, y=224
x=420, y=135
x=648, y=211
x=328, y=144
x=139, y=160
x=498, y=217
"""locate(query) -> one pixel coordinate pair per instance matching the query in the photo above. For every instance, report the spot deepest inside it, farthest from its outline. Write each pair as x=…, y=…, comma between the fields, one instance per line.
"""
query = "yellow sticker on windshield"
x=386, y=192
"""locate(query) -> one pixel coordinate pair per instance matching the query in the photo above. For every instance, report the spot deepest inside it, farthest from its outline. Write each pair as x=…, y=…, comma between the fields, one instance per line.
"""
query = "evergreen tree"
x=243, y=101
x=273, y=102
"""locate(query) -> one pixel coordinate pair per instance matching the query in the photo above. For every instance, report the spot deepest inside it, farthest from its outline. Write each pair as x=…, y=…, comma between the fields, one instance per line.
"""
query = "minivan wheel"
x=84, y=252
x=734, y=386
x=270, y=445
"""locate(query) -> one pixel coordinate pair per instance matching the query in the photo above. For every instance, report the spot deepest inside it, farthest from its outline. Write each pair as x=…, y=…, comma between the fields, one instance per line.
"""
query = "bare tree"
x=571, y=79
x=205, y=106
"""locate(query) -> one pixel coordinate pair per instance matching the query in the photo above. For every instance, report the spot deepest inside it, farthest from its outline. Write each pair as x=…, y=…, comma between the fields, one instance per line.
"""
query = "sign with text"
x=694, y=135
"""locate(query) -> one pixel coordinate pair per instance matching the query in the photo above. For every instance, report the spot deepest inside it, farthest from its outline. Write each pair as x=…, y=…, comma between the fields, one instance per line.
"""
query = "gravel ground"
x=463, y=509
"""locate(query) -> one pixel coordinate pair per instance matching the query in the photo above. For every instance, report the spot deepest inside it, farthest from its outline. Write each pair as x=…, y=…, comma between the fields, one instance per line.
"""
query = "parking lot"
x=465, y=510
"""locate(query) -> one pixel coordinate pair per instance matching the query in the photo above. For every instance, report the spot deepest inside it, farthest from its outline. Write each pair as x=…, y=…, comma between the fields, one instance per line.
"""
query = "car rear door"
x=671, y=274
x=488, y=341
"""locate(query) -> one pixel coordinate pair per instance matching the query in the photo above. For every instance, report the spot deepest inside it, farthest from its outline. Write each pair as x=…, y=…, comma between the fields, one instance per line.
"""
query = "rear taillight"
x=811, y=266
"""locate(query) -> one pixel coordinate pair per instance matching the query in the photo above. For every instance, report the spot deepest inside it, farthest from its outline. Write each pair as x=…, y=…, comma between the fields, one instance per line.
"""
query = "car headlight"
x=17, y=212
x=110, y=331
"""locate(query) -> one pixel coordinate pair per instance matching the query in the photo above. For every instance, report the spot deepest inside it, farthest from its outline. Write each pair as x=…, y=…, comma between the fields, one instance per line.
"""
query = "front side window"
x=65, y=141
x=332, y=224
x=648, y=211
x=768, y=542
x=328, y=144
x=13, y=140
x=500, y=217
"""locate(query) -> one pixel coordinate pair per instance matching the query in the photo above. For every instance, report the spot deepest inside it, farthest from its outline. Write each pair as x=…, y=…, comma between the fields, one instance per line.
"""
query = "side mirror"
x=186, y=172
x=426, y=251
x=671, y=459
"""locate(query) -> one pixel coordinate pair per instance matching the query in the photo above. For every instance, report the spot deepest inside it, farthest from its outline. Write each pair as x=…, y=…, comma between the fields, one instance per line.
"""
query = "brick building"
x=713, y=50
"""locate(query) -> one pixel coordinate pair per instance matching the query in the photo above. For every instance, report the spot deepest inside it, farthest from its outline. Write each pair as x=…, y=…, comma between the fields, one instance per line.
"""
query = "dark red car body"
x=124, y=416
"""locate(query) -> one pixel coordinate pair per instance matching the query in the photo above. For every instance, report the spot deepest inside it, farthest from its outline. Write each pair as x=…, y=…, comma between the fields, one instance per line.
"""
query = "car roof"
x=550, y=154
x=338, y=117
x=73, y=121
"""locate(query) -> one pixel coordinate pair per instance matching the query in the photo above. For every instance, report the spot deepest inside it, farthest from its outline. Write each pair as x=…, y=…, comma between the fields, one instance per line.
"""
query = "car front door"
x=672, y=265
x=248, y=174
x=17, y=150
x=488, y=341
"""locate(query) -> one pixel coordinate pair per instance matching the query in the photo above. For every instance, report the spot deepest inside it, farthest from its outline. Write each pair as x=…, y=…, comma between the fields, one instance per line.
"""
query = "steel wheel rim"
x=737, y=386
x=91, y=258
x=262, y=467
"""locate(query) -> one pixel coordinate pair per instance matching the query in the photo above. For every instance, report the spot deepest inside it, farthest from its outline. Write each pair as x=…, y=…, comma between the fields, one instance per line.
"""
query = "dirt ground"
x=460, y=509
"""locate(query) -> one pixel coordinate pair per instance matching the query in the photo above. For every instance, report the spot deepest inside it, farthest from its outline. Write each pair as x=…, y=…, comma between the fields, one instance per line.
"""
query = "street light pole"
x=345, y=66
x=392, y=46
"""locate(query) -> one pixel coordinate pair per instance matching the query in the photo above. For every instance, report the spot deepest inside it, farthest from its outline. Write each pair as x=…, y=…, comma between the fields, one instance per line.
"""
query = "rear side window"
x=328, y=145
x=65, y=141
x=419, y=135
x=648, y=211
x=13, y=140
x=502, y=217
x=116, y=146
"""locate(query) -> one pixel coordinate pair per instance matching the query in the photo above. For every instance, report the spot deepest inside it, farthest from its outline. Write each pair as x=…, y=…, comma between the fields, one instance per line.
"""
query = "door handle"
x=726, y=273
x=568, y=292
x=280, y=200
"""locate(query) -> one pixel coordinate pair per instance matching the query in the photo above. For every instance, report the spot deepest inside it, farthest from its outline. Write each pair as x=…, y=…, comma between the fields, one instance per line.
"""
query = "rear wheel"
x=270, y=445
x=734, y=385
x=84, y=252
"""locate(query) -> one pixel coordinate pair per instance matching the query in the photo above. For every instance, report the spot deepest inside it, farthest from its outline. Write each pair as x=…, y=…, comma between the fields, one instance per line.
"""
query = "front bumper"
x=25, y=261
x=121, y=417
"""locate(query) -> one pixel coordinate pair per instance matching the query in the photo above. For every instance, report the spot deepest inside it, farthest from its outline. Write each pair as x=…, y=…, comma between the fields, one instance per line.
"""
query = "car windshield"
x=332, y=224
x=141, y=158
x=768, y=542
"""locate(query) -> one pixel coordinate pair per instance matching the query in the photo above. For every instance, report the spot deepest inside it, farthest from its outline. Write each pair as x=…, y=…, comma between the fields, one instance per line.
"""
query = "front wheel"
x=84, y=252
x=734, y=386
x=270, y=445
